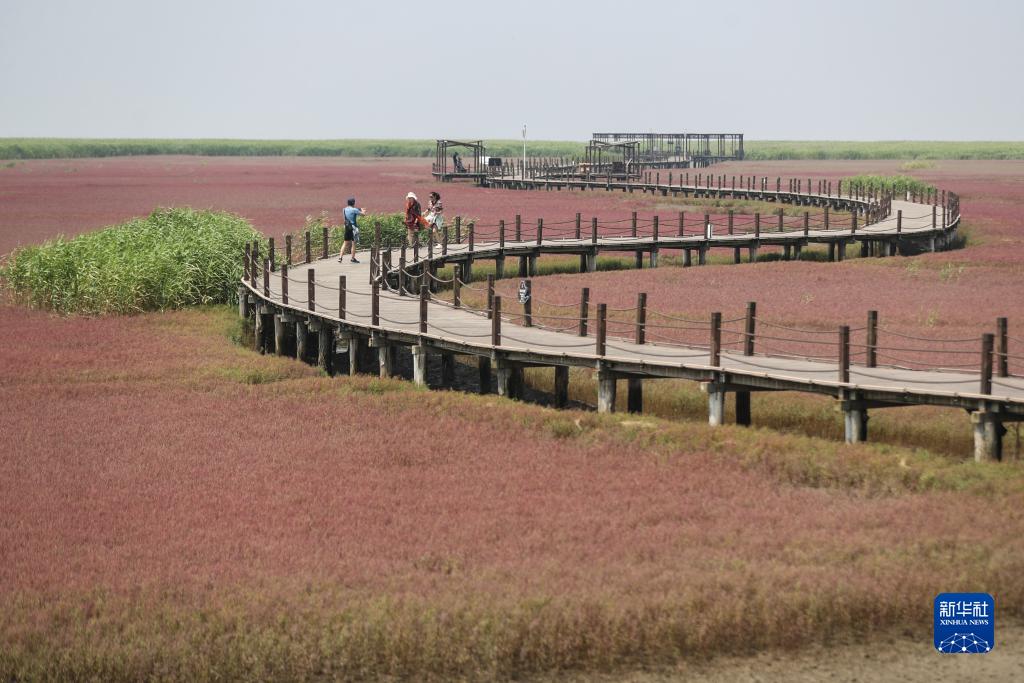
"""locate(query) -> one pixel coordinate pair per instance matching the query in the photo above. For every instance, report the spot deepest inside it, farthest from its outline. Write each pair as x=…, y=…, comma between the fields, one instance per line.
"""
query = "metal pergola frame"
x=616, y=159
x=473, y=161
x=681, y=146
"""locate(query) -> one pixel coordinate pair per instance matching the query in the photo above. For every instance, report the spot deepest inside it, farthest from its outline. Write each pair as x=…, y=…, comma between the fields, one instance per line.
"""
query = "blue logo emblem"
x=965, y=623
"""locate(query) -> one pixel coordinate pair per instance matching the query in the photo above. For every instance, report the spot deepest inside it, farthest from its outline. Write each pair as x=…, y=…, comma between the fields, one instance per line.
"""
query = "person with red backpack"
x=413, y=217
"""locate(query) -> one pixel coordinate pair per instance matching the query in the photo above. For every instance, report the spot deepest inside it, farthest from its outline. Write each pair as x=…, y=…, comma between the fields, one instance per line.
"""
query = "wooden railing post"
x=254, y=263
x=716, y=339
x=246, y=258
x=730, y=221
x=853, y=222
x=593, y=230
x=682, y=227
x=444, y=241
x=519, y=228
x=899, y=221
x=578, y=219
x=871, y=352
x=602, y=329
x=311, y=287
x=457, y=287
x=540, y=231
x=807, y=223
x=1002, y=358
x=987, y=340
x=401, y=271
x=641, y=318
x=458, y=230
x=844, y=354
x=288, y=249
x=757, y=225
x=491, y=291
x=375, y=304
x=633, y=229
x=266, y=277
x=342, y=287
x=748, y=328
x=654, y=231
x=826, y=216
x=528, y=305
x=272, y=255
x=584, y=310
x=472, y=237
x=424, y=298
x=495, y=314
x=327, y=242
x=284, y=283
x=501, y=233
x=781, y=226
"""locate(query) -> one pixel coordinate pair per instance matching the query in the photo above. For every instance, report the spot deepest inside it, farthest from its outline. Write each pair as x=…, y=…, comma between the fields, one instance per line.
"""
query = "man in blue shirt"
x=351, y=214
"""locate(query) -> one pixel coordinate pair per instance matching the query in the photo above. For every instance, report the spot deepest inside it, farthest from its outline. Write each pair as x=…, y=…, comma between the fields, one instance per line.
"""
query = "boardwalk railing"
x=394, y=302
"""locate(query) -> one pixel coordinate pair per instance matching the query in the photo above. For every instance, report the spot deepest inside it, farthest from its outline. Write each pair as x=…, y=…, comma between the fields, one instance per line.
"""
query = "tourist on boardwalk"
x=351, y=215
x=435, y=214
x=413, y=217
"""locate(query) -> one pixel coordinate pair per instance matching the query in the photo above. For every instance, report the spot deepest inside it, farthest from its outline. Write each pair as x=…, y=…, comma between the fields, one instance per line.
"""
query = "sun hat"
x=412, y=195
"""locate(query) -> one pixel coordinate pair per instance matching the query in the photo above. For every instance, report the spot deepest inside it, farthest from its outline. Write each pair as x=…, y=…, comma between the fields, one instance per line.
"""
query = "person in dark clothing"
x=351, y=214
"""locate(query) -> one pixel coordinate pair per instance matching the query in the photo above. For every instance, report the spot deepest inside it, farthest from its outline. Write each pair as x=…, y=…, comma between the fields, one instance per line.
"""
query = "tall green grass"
x=898, y=184
x=169, y=259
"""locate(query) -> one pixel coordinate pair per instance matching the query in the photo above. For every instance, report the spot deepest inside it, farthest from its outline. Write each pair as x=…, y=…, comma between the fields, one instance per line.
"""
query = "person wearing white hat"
x=413, y=216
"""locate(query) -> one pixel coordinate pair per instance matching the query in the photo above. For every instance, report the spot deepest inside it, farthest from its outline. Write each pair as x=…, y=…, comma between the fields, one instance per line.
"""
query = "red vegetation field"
x=154, y=468
x=172, y=505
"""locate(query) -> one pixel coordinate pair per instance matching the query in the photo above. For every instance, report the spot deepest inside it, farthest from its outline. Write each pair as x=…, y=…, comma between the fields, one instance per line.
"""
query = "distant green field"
x=64, y=148
x=769, y=150
x=57, y=148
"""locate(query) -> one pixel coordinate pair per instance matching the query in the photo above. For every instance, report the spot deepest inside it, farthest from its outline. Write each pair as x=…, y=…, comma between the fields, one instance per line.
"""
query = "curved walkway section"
x=386, y=302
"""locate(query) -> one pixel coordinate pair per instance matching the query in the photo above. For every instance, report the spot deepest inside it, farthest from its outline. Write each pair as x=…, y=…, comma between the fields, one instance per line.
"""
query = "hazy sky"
x=318, y=69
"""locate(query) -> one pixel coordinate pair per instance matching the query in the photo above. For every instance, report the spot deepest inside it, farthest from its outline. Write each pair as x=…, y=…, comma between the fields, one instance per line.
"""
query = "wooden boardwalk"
x=385, y=302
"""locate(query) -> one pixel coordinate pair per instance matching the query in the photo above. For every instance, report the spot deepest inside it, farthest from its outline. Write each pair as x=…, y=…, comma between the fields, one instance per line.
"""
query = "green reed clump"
x=899, y=184
x=169, y=259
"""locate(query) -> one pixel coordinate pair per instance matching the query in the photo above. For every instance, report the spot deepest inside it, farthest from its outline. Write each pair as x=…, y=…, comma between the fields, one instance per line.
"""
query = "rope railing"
x=673, y=335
